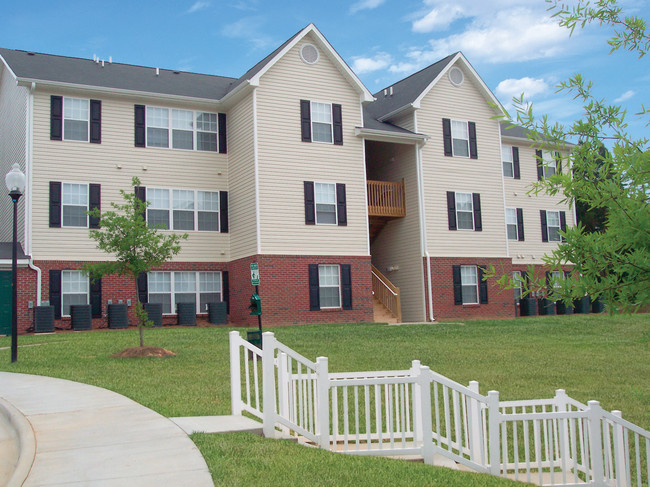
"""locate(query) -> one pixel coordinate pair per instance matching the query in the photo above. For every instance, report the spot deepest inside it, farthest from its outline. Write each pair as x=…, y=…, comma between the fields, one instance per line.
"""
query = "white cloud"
x=249, y=29
x=625, y=96
x=361, y=65
x=200, y=5
x=365, y=5
x=509, y=88
x=438, y=18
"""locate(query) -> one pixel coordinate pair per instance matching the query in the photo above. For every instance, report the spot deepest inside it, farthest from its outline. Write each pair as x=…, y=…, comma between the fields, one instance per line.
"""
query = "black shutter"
x=540, y=165
x=314, y=291
x=346, y=287
x=515, y=163
x=55, y=292
x=310, y=204
x=140, y=126
x=341, y=209
x=548, y=283
x=94, y=201
x=55, y=204
x=305, y=120
x=225, y=290
x=558, y=163
x=223, y=144
x=451, y=210
x=95, y=121
x=143, y=288
x=520, y=224
x=458, y=288
x=337, y=125
x=96, y=297
x=482, y=286
x=562, y=224
x=473, y=149
x=141, y=194
x=56, y=118
x=446, y=136
x=478, y=222
x=223, y=211
x=542, y=218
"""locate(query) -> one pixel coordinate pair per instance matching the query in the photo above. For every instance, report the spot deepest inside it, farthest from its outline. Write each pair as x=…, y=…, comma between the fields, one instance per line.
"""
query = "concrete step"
x=218, y=424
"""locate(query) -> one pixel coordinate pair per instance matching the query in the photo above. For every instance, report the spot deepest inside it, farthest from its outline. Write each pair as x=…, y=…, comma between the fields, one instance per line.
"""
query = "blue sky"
x=513, y=44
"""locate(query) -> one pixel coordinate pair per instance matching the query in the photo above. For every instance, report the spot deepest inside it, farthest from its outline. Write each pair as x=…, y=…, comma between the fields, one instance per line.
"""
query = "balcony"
x=386, y=199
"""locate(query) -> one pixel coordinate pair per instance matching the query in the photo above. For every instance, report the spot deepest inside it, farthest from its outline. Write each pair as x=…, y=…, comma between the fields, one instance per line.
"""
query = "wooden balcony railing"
x=387, y=293
x=386, y=199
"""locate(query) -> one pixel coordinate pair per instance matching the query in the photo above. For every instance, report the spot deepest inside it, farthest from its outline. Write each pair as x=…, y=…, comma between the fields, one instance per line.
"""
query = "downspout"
x=30, y=186
x=423, y=230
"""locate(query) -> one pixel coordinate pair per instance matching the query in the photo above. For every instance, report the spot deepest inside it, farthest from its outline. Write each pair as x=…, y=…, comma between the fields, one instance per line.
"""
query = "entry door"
x=5, y=302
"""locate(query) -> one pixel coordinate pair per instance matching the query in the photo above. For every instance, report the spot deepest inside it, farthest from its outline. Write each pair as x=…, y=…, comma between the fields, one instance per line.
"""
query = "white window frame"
x=195, y=208
x=317, y=202
x=518, y=279
x=198, y=290
x=549, y=164
x=66, y=274
x=556, y=278
x=471, y=201
x=67, y=101
x=330, y=123
x=170, y=128
x=558, y=226
x=474, y=284
x=507, y=158
x=86, y=206
x=510, y=212
x=321, y=285
x=456, y=136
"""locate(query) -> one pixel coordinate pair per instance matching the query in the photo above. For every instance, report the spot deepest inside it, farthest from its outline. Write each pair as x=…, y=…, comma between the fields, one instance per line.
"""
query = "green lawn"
x=600, y=357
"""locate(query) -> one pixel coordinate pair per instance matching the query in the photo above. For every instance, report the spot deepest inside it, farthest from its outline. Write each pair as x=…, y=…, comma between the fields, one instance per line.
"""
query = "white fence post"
x=424, y=384
x=417, y=403
x=595, y=413
x=475, y=432
x=235, y=374
x=494, y=444
x=284, y=379
x=323, y=410
x=620, y=453
x=268, y=384
x=561, y=402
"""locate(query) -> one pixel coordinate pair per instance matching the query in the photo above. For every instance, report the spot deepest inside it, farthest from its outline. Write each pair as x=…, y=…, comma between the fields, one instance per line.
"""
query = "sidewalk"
x=88, y=436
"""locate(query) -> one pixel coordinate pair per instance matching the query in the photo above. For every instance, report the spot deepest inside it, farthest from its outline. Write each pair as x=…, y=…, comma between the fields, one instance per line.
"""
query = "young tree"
x=613, y=262
x=135, y=246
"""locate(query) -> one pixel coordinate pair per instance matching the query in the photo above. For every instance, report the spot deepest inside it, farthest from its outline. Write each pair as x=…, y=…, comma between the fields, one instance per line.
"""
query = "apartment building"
x=342, y=197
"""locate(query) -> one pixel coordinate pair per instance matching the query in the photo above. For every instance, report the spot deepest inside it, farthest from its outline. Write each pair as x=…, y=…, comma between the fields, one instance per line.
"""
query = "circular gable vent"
x=309, y=54
x=456, y=76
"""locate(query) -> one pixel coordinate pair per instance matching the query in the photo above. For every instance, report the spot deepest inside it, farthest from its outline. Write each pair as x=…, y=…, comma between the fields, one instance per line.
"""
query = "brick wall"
x=26, y=292
x=284, y=290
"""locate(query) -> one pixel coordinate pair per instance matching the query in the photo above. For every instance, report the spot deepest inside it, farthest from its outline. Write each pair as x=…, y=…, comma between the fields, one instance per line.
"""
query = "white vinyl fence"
x=550, y=442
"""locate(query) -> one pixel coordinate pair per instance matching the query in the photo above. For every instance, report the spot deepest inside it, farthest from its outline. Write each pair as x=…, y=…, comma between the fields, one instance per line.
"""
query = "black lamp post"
x=15, y=181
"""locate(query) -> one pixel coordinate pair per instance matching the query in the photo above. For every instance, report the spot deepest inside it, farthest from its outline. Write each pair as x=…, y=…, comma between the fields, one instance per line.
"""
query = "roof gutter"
x=386, y=136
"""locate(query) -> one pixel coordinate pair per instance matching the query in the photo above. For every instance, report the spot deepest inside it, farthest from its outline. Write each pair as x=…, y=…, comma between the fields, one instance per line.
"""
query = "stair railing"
x=387, y=293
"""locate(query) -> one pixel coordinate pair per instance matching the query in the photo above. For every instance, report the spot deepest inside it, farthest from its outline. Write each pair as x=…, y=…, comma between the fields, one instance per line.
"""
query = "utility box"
x=118, y=316
x=43, y=319
x=186, y=314
x=81, y=317
x=217, y=313
x=154, y=313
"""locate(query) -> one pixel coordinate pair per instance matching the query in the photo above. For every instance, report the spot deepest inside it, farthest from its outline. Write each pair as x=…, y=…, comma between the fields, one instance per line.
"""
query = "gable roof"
x=30, y=66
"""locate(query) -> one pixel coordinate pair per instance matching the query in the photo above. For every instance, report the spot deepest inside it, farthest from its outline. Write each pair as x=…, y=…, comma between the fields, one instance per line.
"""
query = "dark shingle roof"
x=508, y=129
x=6, y=249
x=77, y=71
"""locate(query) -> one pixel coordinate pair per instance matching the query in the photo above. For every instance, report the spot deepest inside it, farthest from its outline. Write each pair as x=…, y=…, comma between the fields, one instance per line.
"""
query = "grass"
x=600, y=357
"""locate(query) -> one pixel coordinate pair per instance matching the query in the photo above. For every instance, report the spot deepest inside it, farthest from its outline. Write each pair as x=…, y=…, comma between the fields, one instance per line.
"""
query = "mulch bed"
x=144, y=352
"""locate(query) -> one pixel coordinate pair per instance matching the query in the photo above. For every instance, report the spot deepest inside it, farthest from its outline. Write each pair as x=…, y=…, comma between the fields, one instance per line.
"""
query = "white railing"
x=550, y=442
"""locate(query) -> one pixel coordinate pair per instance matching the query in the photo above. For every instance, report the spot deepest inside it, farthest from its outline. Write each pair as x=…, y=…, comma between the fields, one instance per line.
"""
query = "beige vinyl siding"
x=406, y=121
x=285, y=162
x=112, y=164
x=532, y=249
x=398, y=243
x=13, y=126
x=243, y=231
x=462, y=174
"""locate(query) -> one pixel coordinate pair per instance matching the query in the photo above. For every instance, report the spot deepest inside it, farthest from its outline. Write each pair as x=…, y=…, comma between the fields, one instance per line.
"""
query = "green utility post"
x=255, y=337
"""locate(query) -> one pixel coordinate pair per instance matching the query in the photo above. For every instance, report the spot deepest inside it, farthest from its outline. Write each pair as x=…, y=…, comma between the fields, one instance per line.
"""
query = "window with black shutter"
x=96, y=297
x=341, y=208
x=223, y=210
x=143, y=288
x=451, y=210
x=55, y=204
x=94, y=202
x=478, y=222
x=140, y=125
x=56, y=117
x=346, y=287
x=305, y=120
x=95, y=122
x=520, y=224
x=223, y=149
x=515, y=163
x=314, y=294
x=310, y=205
x=55, y=292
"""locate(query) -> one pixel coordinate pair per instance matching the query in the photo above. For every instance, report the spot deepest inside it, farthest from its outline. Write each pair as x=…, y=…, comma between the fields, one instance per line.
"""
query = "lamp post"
x=15, y=181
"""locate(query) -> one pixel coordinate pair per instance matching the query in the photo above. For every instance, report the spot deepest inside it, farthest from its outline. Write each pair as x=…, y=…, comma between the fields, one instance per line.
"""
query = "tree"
x=614, y=262
x=136, y=247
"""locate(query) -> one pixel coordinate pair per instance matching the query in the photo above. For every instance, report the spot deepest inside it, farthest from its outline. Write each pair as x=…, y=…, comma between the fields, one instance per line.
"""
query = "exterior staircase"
x=381, y=314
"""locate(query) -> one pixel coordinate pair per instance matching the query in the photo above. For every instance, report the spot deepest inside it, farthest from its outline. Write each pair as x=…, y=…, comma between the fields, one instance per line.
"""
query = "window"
x=464, y=211
x=171, y=288
x=469, y=284
x=180, y=209
x=189, y=130
x=76, y=116
x=553, y=225
x=460, y=138
x=74, y=204
x=550, y=164
x=329, y=286
x=511, y=224
x=555, y=279
x=74, y=290
x=321, y=122
x=325, y=199
x=508, y=162
x=518, y=282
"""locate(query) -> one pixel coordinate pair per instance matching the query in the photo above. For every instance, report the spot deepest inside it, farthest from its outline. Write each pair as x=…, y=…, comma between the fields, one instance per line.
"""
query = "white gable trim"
x=352, y=78
x=487, y=94
x=9, y=68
